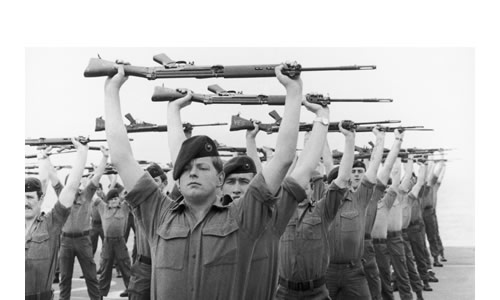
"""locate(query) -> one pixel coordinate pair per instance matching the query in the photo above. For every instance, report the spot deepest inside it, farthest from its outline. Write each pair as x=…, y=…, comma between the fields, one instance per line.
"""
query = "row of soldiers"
x=242, y=229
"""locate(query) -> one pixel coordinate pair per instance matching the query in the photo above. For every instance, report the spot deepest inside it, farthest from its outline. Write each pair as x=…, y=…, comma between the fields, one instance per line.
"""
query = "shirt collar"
x=181, y=204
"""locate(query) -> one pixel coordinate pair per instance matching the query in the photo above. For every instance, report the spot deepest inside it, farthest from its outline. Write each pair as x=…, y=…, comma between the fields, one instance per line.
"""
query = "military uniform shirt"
x=416, y=206
x=371, y=211
x=406, y=208
x=114, y=219
x=346, y=233
x=384, y=206
x=304, y=246
x=79, y=218
x=263, y=276
x=41, y=247
x=208, y=260
x=395, y=219
x=94, y=213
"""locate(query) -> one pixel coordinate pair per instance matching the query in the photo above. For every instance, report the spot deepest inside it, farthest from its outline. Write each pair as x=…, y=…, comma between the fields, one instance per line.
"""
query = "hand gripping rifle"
x=222, y=96
x=240, y=150
x=135, y=126
x=239, y=123
x=181, y=69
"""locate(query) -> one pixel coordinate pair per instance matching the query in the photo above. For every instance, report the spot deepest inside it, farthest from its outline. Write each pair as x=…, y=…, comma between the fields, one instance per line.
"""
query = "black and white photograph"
x=249, y=173
x=258, y=152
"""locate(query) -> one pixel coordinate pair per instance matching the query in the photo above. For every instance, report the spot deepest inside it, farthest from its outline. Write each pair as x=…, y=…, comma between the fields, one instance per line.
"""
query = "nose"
x=193, y=172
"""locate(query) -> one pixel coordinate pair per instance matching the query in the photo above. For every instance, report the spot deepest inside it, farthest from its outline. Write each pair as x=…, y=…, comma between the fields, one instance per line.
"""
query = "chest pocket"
x=289, y=234
x=39, y=247
x=311, y=228
x=171, y=249
x=349, y=220
x=219, y=244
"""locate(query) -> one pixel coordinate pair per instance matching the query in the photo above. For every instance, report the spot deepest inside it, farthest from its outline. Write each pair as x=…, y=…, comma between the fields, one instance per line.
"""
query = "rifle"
x=391, y=129
x=61, y=150
x=239, y=123
x=98, y=67
x=239, y=150
x=135, y=126
x=430, y=150
x=222, y=96
x=58, y=141
x=30, y=173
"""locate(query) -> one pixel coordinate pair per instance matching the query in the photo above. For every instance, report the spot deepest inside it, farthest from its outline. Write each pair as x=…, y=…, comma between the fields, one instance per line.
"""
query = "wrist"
x=323, y=113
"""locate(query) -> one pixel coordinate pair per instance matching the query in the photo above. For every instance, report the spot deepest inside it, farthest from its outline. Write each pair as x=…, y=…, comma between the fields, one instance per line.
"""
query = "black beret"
x=194, y=147
x=155, y=170
x=239, y=164
x=112, y=193
x=32, y=184
x=333, y=174
x=358, y=164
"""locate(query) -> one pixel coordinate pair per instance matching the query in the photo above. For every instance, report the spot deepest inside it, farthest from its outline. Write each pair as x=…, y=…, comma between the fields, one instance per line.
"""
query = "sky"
x=430, y=86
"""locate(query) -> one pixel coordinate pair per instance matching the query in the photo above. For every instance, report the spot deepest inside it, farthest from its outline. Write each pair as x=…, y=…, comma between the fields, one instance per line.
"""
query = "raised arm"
x=313, y=149
x=327, y=157
x=176, y=135
x=396, y=174
x=100, y=168
x=347, y=159
x=274, y=172
x=376, y=157
x=252, y=146
x=69, y=191
x=420, y=180
x=43, y=168
x=441, y=174
x=406, y=182
x=385, y=171
x=119, y=146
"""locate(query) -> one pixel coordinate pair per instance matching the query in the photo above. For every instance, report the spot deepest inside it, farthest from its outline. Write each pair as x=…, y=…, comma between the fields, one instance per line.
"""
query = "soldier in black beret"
x=42, y=230
x=203, y=249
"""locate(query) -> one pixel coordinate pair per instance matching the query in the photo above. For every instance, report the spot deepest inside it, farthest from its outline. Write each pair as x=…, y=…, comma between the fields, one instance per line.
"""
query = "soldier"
x=429, y=212
x=114, y=215
x=384, y=205
x=41, y=231
x=200, y=248
x=345, y=277
x=304, y=247
x=438, y=237
x=410, y=189
x=96, y=225
x=139, y=287
x=75, y=239
x=416, y=235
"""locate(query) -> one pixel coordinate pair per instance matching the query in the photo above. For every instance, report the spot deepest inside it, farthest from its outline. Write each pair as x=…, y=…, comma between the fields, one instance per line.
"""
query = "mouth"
x=27, y=207
x=194, y=184
x=235, y=197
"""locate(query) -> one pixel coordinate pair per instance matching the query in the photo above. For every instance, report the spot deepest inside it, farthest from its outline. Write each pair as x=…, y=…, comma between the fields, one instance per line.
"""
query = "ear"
x=41, y=198
x=220, y=178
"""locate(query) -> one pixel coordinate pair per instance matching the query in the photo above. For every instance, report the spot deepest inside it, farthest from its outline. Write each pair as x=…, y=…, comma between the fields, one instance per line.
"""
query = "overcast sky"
x=433, y=87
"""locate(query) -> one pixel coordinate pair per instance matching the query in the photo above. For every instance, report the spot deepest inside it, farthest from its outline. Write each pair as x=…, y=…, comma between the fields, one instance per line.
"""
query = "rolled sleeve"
x=148, y=203
x=254, y=210
x=390, y=197
x=330, y=204
x=290, y=194
x=58, y=188
x=58, y=216
x=365, y=191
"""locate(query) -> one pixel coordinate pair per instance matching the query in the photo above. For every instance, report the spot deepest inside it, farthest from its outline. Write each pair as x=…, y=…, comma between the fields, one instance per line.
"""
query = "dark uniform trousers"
x=415, y=280
x=371, y=270
x=114, y=247
x=81, y=247
x=396, y=248
x=95, y=233
x=347, y=282
x=416, y=235
x=139, y=287
x=438, y=236
x=319, y=293
x=430, y=220
x=384, y=266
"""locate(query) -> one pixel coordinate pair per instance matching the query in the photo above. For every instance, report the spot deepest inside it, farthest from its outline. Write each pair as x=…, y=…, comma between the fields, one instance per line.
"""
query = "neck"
x=200, y=208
